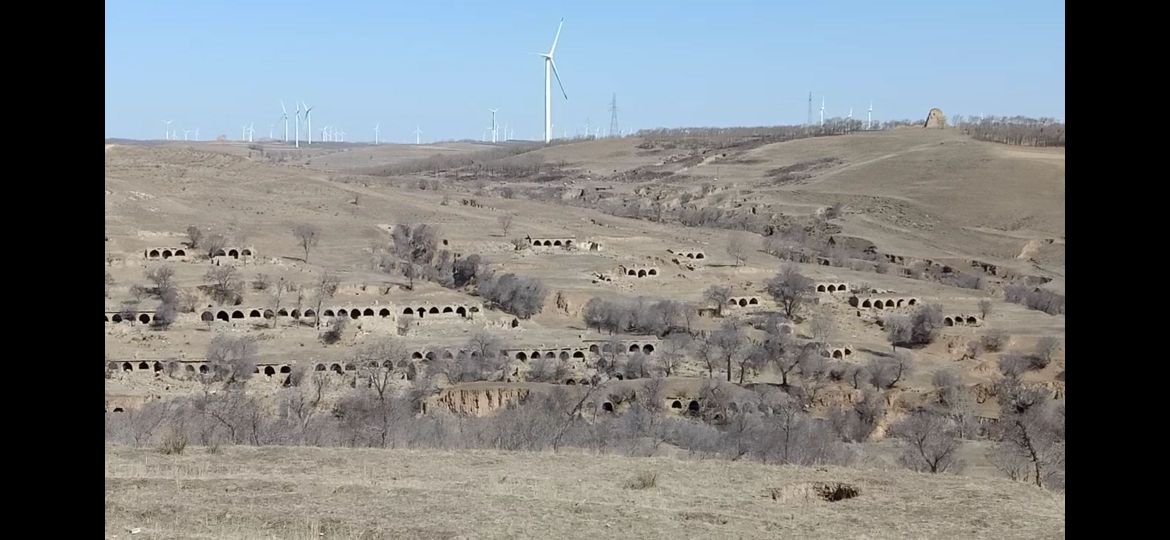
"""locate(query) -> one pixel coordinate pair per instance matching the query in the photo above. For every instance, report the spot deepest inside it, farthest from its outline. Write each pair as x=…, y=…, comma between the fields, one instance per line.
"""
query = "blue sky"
x=217, y=64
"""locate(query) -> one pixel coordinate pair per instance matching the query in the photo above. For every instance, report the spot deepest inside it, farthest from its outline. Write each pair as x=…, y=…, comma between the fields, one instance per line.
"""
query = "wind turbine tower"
x=822, y=111
x=869, y=117
x=185, y=132
x=284, y=116
x=417, y=132
x=377, y=127
x=495, y=130
x=613, y=121
x=809, y=122
x=550, y=70
x=167, y=136
x=297, y=123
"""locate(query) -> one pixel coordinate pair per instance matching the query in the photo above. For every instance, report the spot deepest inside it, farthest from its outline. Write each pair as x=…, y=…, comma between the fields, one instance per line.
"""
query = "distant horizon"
x=218, y=66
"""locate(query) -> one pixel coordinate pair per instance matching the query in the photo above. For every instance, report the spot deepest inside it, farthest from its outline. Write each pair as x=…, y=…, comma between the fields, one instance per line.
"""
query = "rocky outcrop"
x=935, y=119
x=478, y=400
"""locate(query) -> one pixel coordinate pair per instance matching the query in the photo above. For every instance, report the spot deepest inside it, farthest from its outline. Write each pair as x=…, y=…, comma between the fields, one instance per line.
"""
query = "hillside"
x=354, y=493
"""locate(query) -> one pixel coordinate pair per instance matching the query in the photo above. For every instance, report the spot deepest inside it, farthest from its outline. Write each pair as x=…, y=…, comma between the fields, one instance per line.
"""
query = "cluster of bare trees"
x=208, y=242
x=917, y=329
x=1017, y=130
x=366, y=416
x=638, y=316
x=1036, y=298
x=522, y=296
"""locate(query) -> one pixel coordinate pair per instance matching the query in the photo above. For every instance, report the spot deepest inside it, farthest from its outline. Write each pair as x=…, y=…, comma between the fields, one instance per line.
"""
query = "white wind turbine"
x=550, y=69
x=308, y=121
x=417, y=132
x=185, y=132
x=284, y=116
x=822, y=111
x=297, y=126
x=495, y=130
x=869, y=117
x=270, y=127
x=377, y=127
x=197, y=134
x=251, y=131
x=167, y=136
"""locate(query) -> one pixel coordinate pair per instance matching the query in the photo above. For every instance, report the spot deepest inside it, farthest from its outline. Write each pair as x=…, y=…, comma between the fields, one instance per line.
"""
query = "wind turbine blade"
x=558, y=36
x=282, y=107
x=558, y=75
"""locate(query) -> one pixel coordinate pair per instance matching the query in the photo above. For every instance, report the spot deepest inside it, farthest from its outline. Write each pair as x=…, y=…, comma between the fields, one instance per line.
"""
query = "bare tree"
x=718, y=294
x=948, y=385
x=931, y=442
x=194, y=235
x=1031, y=432
x=984, y=308
x=707, y=351
x=109, y=283
x=731, y=342
x=307, y=236
x=505, y=222
x=163, y=278
x=213, y=243
x=737, y=247
x=326, y=286
x=673, y=351
x=790, y=289
x=886, y=372
x=224, y=284
x=233, y=359
x=821, y=325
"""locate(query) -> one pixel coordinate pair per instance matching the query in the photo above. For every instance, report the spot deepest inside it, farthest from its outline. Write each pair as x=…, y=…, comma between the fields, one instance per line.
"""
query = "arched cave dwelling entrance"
x=693, y=406
x=269, y=371
x=676, y=404
x=607, y=406
x=948, y=322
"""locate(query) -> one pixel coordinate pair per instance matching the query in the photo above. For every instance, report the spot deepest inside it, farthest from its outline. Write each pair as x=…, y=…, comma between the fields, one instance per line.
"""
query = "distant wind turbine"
x=308, y=121
x=284, y=116
x=869, y=117
x=550, y=69
x=297, y=126
x=185, y=132
x=417, y=132
x=377, y=127
x=167, y=136
x=822, y=111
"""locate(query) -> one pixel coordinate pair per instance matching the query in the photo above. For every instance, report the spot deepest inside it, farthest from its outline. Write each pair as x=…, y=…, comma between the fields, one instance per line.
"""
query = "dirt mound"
x=935, y=119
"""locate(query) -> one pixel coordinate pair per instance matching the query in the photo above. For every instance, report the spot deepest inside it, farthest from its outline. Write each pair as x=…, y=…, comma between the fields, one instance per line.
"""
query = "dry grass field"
x=303, y=493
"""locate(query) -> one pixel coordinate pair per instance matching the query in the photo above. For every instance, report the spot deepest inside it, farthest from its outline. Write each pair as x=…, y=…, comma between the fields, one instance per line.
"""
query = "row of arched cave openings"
x=166, y=253
x=552, y=243
x=355, y=313
x=831, y=287
x=191, y=367
x=642, y=272
x=881, y=304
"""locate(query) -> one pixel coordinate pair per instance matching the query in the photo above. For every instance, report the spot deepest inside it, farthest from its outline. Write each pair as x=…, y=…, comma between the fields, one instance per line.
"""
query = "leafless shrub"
x=232, y=359
x=505, y=223
x=174, y=441
x=1014, y=364
x=643, y=480
x=333, y=333
x=995, y=340
x=984, y=308
x=1045, y=348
